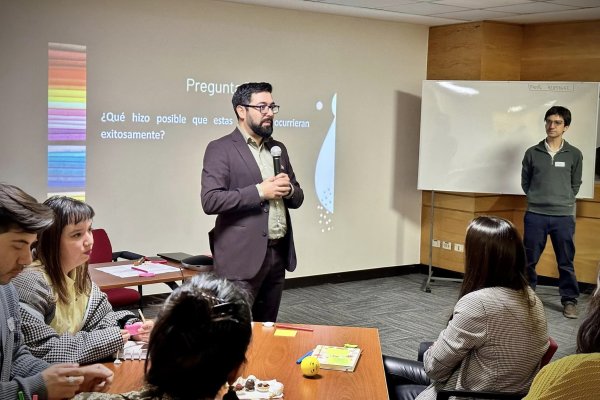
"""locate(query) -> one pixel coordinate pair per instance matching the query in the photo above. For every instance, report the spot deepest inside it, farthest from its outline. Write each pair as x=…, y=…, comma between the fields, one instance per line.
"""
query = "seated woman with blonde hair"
x=66, y=317
x=197, y=345
x=575, y=377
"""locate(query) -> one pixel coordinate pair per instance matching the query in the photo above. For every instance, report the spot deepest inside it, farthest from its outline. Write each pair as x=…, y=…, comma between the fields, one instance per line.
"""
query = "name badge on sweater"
x=11, y=324
x=559, y=164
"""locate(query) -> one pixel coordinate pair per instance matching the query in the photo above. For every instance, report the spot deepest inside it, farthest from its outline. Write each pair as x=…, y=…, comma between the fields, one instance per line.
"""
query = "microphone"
x=276, y=153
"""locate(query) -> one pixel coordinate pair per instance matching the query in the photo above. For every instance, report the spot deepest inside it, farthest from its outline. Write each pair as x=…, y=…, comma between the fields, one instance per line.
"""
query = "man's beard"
x=262, y=131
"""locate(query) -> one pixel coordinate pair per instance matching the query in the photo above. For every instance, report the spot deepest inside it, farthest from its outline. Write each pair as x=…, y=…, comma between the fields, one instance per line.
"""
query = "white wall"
x=147, y=194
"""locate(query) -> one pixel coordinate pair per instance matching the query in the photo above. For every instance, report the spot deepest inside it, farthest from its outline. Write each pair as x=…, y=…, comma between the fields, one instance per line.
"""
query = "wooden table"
x=274, y=357
x=108, y=281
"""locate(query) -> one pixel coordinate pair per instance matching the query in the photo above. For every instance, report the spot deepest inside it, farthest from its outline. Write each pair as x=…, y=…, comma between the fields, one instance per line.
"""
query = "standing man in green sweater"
x=551, y=177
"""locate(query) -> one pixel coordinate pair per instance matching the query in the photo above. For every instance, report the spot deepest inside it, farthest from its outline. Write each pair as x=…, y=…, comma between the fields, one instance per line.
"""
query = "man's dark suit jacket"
x=229, y=178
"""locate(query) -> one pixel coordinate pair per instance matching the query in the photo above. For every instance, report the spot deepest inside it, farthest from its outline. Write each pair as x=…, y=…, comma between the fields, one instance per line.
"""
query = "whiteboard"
x=474, y=133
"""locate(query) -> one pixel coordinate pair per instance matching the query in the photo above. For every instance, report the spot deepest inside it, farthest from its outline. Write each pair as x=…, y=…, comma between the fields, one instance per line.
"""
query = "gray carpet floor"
x=403, y=313
x=399, y=309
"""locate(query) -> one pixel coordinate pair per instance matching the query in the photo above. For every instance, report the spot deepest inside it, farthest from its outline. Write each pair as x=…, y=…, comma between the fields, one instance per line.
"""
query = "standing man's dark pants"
x=266, y=287
x=561, y=230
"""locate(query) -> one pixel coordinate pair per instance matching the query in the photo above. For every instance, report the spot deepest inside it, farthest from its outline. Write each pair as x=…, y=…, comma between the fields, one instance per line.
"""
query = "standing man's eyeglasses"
x=263, y=107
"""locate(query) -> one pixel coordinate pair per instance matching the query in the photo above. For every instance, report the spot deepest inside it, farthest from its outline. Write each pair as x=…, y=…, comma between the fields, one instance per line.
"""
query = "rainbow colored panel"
x=67, y=93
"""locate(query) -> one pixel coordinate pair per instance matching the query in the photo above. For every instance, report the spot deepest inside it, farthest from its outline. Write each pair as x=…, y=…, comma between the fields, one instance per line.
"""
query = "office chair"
x=445, y=394
x=101, y=253
x=397, y=367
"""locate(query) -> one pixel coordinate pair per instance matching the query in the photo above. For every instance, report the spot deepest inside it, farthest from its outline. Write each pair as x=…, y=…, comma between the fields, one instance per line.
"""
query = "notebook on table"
x=337, y=358
x=176, y=257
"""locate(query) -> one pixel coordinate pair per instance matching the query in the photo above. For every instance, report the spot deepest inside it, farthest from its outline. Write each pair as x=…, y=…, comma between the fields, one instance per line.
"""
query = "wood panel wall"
x=561, y=52
x=475, y=51
x=497, y=51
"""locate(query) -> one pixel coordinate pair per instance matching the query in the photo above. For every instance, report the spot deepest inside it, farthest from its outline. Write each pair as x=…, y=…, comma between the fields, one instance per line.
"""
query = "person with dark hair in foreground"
x=550, y=177
x=252, y=241
x=197, y=345
x=66, y=317
x=22, y=218
x=575, y=377
x=497, y=333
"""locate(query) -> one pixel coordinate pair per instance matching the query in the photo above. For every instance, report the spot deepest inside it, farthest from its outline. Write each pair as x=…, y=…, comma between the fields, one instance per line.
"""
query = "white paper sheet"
x=127, y=271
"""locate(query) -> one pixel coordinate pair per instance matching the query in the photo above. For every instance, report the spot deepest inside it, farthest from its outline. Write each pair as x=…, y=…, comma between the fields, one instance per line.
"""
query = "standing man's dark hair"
x=550, y=177
x=562, y=112
x=244, y=93
x=252, y=241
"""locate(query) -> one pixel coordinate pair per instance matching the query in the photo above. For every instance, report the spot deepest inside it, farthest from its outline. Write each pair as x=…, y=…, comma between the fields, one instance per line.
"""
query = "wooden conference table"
x=274, y=357
x=108, y=281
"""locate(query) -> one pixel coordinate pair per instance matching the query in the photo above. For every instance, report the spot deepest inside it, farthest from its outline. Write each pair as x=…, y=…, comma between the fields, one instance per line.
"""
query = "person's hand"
x=276, y=187
x=97, y=378
x=125, y=335
x=62, y=380
x=143, y=333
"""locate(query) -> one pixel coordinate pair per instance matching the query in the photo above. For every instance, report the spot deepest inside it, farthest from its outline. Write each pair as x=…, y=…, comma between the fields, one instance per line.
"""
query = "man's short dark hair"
x=563, y=112
x=244, y=92
x=22, y=212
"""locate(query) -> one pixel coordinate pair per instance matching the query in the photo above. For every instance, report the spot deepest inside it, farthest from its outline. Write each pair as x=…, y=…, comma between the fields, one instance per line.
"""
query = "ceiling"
x=447, y=12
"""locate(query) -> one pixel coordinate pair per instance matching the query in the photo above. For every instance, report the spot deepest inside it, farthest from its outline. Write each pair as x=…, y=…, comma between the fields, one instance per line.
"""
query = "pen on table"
x=141, y=315
x=297, y=328
x=308, y=353
x=139, y=269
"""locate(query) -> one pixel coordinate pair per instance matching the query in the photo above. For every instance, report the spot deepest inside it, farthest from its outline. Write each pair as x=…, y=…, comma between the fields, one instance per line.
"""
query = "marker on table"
x=308, y=353
x=21, y=395
x=140, y=269
x=296, y=328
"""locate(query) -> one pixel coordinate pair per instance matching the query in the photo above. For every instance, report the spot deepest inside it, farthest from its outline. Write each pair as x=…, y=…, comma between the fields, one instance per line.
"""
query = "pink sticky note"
x=147, y=274
x=133, y=328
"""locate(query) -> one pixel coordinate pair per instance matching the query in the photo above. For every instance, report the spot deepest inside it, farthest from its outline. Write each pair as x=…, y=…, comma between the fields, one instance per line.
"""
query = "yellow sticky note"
x=285, y=332
x=341, y=352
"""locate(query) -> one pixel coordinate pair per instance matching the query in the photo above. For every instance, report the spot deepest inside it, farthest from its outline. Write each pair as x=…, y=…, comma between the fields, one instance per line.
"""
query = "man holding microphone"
x=249, y=183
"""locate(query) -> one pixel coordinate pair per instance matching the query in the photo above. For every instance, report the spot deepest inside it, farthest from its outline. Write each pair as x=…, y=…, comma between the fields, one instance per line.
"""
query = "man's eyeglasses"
x=550, y=122
x=263, y=107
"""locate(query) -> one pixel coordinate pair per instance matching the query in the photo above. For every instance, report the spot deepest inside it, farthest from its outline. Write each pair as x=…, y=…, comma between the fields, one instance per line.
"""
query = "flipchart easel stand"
x=426, y=285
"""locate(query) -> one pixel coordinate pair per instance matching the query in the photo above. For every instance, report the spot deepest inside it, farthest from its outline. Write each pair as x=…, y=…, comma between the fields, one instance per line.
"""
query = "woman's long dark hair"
x=588, y=336
x=200, y=337
x=494, y=256
x=66, y=211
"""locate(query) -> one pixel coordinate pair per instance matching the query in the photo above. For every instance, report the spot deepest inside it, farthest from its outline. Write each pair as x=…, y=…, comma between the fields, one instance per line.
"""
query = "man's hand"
x=62, y=380
x=276, y=187
x=143, y=334
x=97, y=378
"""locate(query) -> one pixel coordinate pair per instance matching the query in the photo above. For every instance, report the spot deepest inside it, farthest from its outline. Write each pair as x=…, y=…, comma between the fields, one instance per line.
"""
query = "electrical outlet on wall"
x=436, y=243
x=459, y=247
x=447, y=245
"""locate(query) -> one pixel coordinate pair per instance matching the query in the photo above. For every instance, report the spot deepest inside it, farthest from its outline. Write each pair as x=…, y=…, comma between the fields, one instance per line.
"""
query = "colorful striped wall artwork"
x=67, y=119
